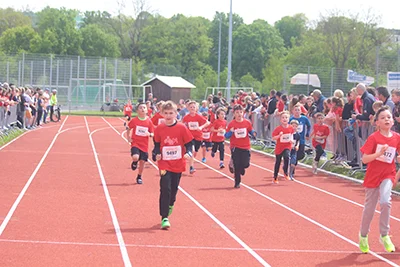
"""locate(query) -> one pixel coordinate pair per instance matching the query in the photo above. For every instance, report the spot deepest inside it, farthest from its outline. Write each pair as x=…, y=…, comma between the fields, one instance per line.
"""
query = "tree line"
x=188, y=46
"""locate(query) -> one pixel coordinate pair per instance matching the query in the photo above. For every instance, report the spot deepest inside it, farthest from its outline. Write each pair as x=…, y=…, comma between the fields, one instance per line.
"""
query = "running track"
x=69, y=198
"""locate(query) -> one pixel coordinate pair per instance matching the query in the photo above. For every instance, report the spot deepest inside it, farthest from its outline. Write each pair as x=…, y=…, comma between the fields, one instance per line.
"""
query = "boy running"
x=379, y=152
x=303, y=129
x=142, y=128
x=206, y=143
x=295, y=148
x=239, y=130
x=195, y=123
x=283, y=135
x=218, y=130
x=172, y=145
x=319, y=136
x=158, y=117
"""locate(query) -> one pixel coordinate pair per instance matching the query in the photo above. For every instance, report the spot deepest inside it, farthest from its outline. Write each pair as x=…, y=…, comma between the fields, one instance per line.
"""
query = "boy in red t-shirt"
x=319, y=135
x=239, y=131
x=142, y=128
x=158, y=117
x=172, y=145
x=128, y=112
x=195, y=123
x=283, y=135
x=218, y=129
x=149, y=109
x=206, y=143
x=379, y=152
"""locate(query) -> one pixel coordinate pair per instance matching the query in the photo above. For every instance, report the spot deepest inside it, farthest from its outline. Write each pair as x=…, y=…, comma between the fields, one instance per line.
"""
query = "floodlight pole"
x=219, y=48
x=228, y=93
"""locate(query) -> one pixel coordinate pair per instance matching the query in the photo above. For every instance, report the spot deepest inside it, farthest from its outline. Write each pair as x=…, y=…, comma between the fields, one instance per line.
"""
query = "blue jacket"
x=304, y=127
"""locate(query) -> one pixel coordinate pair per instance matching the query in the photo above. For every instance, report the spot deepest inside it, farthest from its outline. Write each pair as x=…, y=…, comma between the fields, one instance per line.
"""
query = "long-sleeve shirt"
x=368, y=101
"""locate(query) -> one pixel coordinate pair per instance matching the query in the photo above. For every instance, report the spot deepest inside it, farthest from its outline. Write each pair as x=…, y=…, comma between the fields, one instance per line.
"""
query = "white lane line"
x=226, y=229
x=28, y=183
x=319, y=189
x=87, y=125
x=301, y=215
x=121, y=242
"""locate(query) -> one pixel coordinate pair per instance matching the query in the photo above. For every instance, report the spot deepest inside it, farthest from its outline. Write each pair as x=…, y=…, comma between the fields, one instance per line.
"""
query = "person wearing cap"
x=53, y=102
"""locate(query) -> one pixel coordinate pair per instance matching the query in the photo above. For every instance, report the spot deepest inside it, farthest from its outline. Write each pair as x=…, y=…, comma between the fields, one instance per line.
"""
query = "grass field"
x=10, y=136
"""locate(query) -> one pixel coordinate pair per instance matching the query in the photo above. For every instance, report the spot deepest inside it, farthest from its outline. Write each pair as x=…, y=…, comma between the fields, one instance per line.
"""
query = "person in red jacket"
x=319, y=136
x=239, y=131
x=283, y=135
x=195, y=123
x=218, y=130
x=142, y=128
x=172, y=146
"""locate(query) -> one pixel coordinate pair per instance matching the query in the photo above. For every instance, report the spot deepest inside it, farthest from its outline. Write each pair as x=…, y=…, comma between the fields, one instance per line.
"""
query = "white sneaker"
x=315, y=166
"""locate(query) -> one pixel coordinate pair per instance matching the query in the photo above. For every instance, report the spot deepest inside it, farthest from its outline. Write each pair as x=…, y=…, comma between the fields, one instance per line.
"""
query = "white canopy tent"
x=306, y=79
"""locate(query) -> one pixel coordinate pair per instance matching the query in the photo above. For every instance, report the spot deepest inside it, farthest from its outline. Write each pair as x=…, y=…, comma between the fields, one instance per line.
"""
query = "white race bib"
x=161, y=121
x=206, y=135
x=221, y=133
x=141, y=131
x=319, y=140
x=171, y=152
x=300, y=128
x=193, y=125
x=286, y=138
x=241, y=133
x=389, y=154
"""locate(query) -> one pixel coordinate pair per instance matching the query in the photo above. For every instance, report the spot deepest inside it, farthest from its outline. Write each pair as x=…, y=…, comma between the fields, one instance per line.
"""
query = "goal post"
x=234, y=90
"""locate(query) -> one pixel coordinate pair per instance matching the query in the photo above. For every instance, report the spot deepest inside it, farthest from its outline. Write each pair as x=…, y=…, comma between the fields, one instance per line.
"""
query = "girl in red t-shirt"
x=218, y=129
x=128, y=113
x=206, y=135
x=239, y=131
x=379, y=152
x=319, y=135
x=283, y=135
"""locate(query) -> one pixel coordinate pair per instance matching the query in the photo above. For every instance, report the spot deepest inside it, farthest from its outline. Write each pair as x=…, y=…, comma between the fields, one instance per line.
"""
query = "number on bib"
x=141, y=131
x=171, y=153
x=206, y=135
x=241, y=133
x=300, y=128
x=389, y=154
x=221, y=133
x=193, y=125
x=286, y=138
x=319, y=140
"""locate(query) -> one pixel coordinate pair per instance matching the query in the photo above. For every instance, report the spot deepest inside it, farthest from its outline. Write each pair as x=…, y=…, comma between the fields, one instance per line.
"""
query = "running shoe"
x=275, y=181
x=237, y=186
x=231, y=166
x=364, y=247
x=165, y=224
x=171, y=208
x=287, y=177
x=192, y=170
x=203, y=160
x=221, y=165
x=134, y=165
x=315, y=166
x=387, y=243
x=139, y=180
x=212, y=154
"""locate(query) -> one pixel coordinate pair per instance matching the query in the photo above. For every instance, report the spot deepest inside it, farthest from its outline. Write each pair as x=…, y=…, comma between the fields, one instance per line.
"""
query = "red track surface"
x=64, y=218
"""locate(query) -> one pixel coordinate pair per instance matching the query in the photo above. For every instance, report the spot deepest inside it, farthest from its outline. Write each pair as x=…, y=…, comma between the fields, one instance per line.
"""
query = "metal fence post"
x=100, y=65
x=19, y=73
x=8, y=71
x=84, y=81
x=377, y=66
x=23, y=67
x=308, y=80
x=105, y=79
x=114, y=93
x=57, y=73
x=31, y=79
x=332, y=81
x=77, y=76
x=70, y=87
x=284, y=77
x=51, y=71
x=130, y=79
x=44, y=73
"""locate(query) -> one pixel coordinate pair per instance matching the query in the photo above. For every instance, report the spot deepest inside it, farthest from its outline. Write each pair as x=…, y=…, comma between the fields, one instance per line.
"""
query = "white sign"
x=393, y=80
x=354, y=77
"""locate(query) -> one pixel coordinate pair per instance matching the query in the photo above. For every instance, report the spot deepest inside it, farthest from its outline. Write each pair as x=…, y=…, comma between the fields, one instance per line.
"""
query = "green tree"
x=249, y=81
x=10, y=18
x=61, y=23
x=95, y=42
x=292, y=28
x=253, y=45
x=17, y=39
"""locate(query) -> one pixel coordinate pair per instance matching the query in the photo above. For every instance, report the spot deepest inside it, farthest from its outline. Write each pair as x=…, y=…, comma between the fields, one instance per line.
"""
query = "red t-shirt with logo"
x=383, y=167
x=240, y=137
x=217, y=124
x=172, y=141
x=128, y=110
x=285, y=141
x=320, y=130
x=193, y=123
x=139, y=129
x=157, y=119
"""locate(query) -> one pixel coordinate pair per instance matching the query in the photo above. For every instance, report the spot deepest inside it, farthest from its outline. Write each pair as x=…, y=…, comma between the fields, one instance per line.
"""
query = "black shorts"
x=196, y=144
x=206, y=144
x=142, y=155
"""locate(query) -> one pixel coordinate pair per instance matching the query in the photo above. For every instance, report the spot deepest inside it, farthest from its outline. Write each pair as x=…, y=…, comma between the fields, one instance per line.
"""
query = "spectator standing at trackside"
x=53, y=102
x=396, y=110
x=46, y=101
x=318, y=100
x=367, y=100
x=384, y=96
x=272, y=103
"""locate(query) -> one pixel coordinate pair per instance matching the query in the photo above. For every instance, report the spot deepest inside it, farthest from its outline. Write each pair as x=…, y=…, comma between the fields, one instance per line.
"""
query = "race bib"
x=161, y=121
x=319, y=140
x=193, y=125
x=286, y=138
x=206, y=135
x=221, y=133
x=241, y=133
x=141, y=131
x=171, y=152
x=300, y=128
x=389, y=154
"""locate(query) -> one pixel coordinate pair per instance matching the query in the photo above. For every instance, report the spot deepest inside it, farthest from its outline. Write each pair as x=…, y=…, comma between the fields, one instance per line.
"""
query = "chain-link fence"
x=335, y=78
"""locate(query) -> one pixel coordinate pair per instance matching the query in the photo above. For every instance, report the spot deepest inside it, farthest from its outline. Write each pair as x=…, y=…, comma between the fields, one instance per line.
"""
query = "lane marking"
x=121, y=242
x=225, y=228
x=28, y=183
x=302, y=215
x=318, y=189
x=87, y=125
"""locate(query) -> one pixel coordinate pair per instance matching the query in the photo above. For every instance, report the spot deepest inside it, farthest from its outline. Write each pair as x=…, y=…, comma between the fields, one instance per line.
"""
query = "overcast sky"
x=249, y=10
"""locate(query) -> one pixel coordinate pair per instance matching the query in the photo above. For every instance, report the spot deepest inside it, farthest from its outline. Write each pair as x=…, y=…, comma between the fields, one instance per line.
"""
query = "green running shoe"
x=387, y=243
x=364, y=247
x=165, y=223
x=171, y=208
